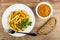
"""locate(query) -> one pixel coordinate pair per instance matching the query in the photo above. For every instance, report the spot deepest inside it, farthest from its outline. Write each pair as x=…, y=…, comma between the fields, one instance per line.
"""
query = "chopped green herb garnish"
x=29, y=23
x=24, y=24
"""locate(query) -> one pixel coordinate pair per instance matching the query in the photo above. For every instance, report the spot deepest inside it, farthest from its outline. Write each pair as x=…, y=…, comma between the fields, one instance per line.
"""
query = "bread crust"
x=47, y=27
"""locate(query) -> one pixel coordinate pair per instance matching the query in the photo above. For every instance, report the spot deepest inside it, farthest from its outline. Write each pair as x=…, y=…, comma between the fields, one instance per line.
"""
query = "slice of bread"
x=48, y=26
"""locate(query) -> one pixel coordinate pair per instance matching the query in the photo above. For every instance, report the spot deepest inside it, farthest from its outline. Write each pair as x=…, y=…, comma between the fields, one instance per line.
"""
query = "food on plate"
x=48, y=26
x=19, y=20
x=44, y=10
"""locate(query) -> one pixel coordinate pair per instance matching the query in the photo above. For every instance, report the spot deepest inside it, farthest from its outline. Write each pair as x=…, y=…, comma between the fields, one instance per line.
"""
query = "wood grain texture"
x=54, y=35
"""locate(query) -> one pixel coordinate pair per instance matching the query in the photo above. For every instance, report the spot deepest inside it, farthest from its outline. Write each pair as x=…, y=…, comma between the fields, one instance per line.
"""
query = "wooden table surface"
x=54, y=35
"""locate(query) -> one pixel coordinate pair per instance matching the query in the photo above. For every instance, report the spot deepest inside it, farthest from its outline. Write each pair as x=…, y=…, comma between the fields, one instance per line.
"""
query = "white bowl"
x=14, y=8
x=50, y=12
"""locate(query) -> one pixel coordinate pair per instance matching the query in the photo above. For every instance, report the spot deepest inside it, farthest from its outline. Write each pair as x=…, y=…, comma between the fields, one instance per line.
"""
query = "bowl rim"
x=50, y=8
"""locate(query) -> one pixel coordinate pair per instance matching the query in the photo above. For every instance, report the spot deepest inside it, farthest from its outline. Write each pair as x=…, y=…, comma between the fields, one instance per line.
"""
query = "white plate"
x=14, y=8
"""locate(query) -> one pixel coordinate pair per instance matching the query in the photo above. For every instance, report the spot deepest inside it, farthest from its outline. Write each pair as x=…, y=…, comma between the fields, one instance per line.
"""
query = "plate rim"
x=19, y=4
